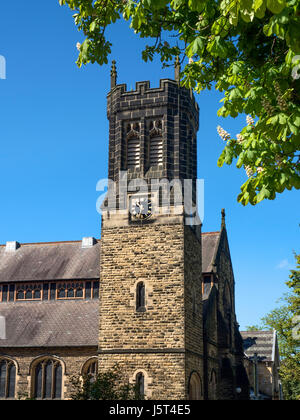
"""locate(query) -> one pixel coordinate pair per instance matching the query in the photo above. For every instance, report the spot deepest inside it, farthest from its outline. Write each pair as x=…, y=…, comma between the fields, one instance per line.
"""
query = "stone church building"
x=154, y=294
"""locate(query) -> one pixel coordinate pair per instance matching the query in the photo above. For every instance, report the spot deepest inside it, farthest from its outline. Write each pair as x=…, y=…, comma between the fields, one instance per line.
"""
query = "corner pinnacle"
x=113, y=75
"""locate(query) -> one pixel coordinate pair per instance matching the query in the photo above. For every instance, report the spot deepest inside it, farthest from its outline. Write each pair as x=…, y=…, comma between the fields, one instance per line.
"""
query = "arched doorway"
x=195, y=387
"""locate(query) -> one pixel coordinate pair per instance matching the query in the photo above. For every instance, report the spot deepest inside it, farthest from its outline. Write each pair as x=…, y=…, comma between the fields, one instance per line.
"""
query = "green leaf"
x=273, y=120
x=222, y=158
x=264, y=193
x=292, y=36
x=283, y=178
x=228, y=156
x=276, y=6
x=221, y=27
x=217, y=47
x=283, y=118
x=260, y=7
x=196, y=47
x=250, y=155
x=296, y=121
x=293, y=128
x=93, y=26
x=176, y=4
x=235, y=94
x=237, y=66
x=257, y=4
x=267, y=29
x=240, y=160
x=197, y=5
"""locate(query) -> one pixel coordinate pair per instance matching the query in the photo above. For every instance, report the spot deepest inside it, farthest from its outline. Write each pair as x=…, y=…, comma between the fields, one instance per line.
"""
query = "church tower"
x=150, y=278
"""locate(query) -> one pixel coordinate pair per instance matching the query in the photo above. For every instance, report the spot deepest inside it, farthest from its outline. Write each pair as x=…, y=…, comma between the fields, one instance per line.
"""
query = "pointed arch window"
x=90, y=370
x=29, y=292
x=140, y=383
x=140, y=297
x=7, y=379
x=47, y=376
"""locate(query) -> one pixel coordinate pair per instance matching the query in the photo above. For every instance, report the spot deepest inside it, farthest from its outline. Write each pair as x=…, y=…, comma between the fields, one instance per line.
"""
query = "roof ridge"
x=257, y=331
x=211, y=233
x=50, y=243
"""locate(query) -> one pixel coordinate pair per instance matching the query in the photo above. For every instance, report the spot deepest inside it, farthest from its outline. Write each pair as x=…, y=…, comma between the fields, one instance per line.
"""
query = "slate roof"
x=68, y=260
x=49, y=261
x=50, y=324
x=261, y=342
x=60, y=323
x=210, y=241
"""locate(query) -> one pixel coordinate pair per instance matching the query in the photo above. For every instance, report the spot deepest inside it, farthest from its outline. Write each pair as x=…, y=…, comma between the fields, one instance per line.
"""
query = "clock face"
x=141, y=208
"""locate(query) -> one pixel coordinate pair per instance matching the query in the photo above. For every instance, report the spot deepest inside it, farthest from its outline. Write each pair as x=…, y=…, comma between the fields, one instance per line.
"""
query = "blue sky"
x=54, y=147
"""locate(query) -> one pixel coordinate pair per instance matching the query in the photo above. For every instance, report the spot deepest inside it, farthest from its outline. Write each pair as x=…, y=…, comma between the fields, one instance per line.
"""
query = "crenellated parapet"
x=169, y=93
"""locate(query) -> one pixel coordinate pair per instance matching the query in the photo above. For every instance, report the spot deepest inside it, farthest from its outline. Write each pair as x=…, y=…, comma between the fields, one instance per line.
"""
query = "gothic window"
x=61, y=291
x=37, y=293
x=90, y=369
x=47, y=377
x=7, y=379
x=156, y=143
x=20, y=294
x=29, y=292
x=70, y=290
x=133, y=145
x=140, y=383
x=140, y=297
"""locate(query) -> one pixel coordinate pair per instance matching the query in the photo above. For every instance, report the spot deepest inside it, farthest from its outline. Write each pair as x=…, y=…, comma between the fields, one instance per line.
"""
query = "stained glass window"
x=48, y=380
x=7, y=379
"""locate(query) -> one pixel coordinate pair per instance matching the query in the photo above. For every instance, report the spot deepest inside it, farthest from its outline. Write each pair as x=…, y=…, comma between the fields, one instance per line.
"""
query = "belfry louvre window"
x=156, y=151
x=7, y=379
x=133, y=146
x=48, y=380
x=156, y=143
